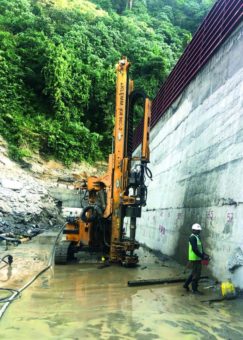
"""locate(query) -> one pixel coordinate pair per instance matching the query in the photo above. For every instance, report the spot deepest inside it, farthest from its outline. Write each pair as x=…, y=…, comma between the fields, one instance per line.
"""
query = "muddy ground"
x=80, y=301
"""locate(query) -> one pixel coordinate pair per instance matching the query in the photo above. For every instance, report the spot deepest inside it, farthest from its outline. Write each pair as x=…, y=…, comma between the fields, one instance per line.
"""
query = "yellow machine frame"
x=119, y=180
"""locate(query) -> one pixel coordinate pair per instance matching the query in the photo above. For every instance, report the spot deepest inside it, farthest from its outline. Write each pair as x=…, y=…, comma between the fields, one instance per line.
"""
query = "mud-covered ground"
x=80, y=301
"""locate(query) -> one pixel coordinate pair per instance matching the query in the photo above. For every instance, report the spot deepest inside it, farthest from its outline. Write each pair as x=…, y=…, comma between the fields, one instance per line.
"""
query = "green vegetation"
x=57, y=61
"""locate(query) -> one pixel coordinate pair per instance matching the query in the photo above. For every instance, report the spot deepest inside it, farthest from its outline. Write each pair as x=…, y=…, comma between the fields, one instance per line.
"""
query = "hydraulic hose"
x=148, y=173
x=16, y=293
x=96, y=211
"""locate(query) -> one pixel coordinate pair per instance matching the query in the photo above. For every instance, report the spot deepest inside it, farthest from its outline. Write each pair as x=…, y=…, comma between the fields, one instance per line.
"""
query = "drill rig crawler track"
x=64, y=253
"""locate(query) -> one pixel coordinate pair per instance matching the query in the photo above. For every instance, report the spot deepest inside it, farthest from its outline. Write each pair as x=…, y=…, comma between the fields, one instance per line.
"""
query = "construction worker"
x=195, y=256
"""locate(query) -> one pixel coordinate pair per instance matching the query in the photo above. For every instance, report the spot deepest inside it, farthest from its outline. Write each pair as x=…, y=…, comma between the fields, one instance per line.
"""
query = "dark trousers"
x=195, y=274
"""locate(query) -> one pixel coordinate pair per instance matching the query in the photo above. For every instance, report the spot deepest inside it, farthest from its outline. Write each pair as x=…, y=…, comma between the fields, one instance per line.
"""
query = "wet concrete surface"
x=80, y=301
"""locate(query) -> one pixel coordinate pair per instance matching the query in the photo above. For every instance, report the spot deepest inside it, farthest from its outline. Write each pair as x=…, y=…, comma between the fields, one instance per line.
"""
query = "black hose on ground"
x=12, y=291
x=158, y=281
x=9, y=261
x=16, y=293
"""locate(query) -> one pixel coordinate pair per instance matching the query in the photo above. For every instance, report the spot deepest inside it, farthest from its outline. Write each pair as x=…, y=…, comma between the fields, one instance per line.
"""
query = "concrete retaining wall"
x=197, y=165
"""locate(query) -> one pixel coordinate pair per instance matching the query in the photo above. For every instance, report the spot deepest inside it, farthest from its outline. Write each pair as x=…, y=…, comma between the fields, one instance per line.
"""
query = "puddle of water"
x=82, y=302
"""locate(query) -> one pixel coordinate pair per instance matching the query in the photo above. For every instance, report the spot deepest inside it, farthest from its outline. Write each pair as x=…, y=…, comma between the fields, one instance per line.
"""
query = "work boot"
x=188, y=281
x=194, y=285
x=186, y=288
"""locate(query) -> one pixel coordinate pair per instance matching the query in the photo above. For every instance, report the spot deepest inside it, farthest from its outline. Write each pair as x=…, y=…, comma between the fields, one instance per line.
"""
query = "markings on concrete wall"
x=230, y=217
x=210, y=215
x=154, y=220
x=223, y=248
x=162, y=230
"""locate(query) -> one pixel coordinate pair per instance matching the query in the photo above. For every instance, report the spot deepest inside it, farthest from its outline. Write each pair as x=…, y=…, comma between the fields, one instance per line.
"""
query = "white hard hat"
x=196, y=226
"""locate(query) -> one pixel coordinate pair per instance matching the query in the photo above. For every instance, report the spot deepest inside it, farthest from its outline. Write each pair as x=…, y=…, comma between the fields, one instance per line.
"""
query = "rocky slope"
x=26, y=205
x=26, y=208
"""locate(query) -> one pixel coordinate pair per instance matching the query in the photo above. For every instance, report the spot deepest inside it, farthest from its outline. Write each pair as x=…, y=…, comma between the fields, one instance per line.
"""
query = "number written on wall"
x=162, y=230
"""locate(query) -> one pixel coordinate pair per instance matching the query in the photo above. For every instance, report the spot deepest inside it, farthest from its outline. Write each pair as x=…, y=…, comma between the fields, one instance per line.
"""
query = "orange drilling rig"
x=119, y=194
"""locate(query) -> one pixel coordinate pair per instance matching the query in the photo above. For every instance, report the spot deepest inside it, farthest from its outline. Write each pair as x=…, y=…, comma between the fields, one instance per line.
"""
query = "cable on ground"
x=16, y=293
